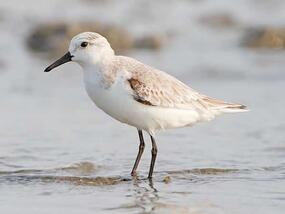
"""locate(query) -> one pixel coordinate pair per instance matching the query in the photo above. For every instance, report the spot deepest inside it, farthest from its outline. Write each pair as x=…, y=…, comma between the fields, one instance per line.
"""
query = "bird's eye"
x=84, y=44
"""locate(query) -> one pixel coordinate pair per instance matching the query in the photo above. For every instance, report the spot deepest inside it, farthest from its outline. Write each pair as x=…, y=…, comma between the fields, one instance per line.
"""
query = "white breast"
x=115, y=100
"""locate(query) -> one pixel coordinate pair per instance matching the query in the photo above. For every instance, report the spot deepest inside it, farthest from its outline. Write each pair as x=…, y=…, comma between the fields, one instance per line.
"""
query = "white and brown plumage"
x=137, y=94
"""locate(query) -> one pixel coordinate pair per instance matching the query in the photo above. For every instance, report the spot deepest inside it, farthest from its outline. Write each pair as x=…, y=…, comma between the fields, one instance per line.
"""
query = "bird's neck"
x=101, y=72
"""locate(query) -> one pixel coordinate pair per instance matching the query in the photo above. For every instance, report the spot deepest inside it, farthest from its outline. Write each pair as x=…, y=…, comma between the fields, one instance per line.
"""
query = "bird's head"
x=85, y=48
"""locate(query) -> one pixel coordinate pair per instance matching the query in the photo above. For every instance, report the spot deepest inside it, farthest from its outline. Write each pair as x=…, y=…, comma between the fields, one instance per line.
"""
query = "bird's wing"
x=156, y=88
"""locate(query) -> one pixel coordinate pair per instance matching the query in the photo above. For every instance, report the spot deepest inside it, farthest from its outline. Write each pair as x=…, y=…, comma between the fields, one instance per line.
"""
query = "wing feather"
x=157, y=88
x=153, y=87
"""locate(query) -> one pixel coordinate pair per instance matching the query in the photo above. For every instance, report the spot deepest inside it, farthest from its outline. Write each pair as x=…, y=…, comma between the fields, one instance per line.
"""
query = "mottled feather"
x=156, y=88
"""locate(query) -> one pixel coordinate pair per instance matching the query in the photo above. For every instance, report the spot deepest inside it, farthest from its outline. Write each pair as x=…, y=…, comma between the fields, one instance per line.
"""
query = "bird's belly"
x=121, y=106
x=114, y=101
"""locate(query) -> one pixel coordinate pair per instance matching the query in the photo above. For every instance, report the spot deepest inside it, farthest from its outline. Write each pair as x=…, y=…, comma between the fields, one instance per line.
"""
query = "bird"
x=137, y=94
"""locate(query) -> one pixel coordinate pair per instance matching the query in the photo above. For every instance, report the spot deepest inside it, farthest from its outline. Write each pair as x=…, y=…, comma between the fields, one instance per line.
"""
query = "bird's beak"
x=66, y=58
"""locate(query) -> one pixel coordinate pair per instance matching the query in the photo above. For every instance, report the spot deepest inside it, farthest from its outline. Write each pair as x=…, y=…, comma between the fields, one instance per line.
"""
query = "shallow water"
x=61, y=154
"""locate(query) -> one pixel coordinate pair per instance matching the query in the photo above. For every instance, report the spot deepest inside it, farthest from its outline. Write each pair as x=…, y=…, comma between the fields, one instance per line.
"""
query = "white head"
x=86, y=48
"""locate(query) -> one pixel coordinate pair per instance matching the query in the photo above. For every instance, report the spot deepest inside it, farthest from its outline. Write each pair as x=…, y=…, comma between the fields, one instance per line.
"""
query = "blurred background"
x=58, y=153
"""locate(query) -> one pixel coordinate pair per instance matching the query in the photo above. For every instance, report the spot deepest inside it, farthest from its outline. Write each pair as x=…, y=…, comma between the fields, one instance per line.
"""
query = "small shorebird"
x=137, y=94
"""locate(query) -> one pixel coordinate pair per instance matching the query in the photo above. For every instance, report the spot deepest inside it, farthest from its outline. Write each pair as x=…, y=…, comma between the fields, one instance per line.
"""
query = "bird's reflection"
x=145, y=195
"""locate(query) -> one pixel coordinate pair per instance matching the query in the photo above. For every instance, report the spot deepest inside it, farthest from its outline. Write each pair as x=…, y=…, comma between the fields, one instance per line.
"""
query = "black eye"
x=84, y=44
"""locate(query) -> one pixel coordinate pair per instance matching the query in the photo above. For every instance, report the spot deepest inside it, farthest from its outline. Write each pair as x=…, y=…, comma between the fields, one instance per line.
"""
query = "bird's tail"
x=224, y=107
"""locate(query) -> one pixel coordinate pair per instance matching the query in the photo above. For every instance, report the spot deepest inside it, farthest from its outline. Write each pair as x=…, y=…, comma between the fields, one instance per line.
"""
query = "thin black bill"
x=66, y=58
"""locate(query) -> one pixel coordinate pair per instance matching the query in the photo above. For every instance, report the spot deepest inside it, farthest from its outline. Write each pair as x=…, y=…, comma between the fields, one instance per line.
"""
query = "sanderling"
x=137, y=94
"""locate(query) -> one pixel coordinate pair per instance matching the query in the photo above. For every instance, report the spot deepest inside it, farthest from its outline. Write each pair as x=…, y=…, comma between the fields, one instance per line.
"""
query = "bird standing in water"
x=137, y=94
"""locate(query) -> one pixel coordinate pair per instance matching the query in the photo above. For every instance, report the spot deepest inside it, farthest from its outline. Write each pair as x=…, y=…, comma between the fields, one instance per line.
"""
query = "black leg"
x=153, y=157
x=141, y=149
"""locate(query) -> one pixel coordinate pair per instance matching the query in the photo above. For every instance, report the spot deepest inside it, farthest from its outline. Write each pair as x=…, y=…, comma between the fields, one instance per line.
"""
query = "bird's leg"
x=141, y=149
x=153, y=156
